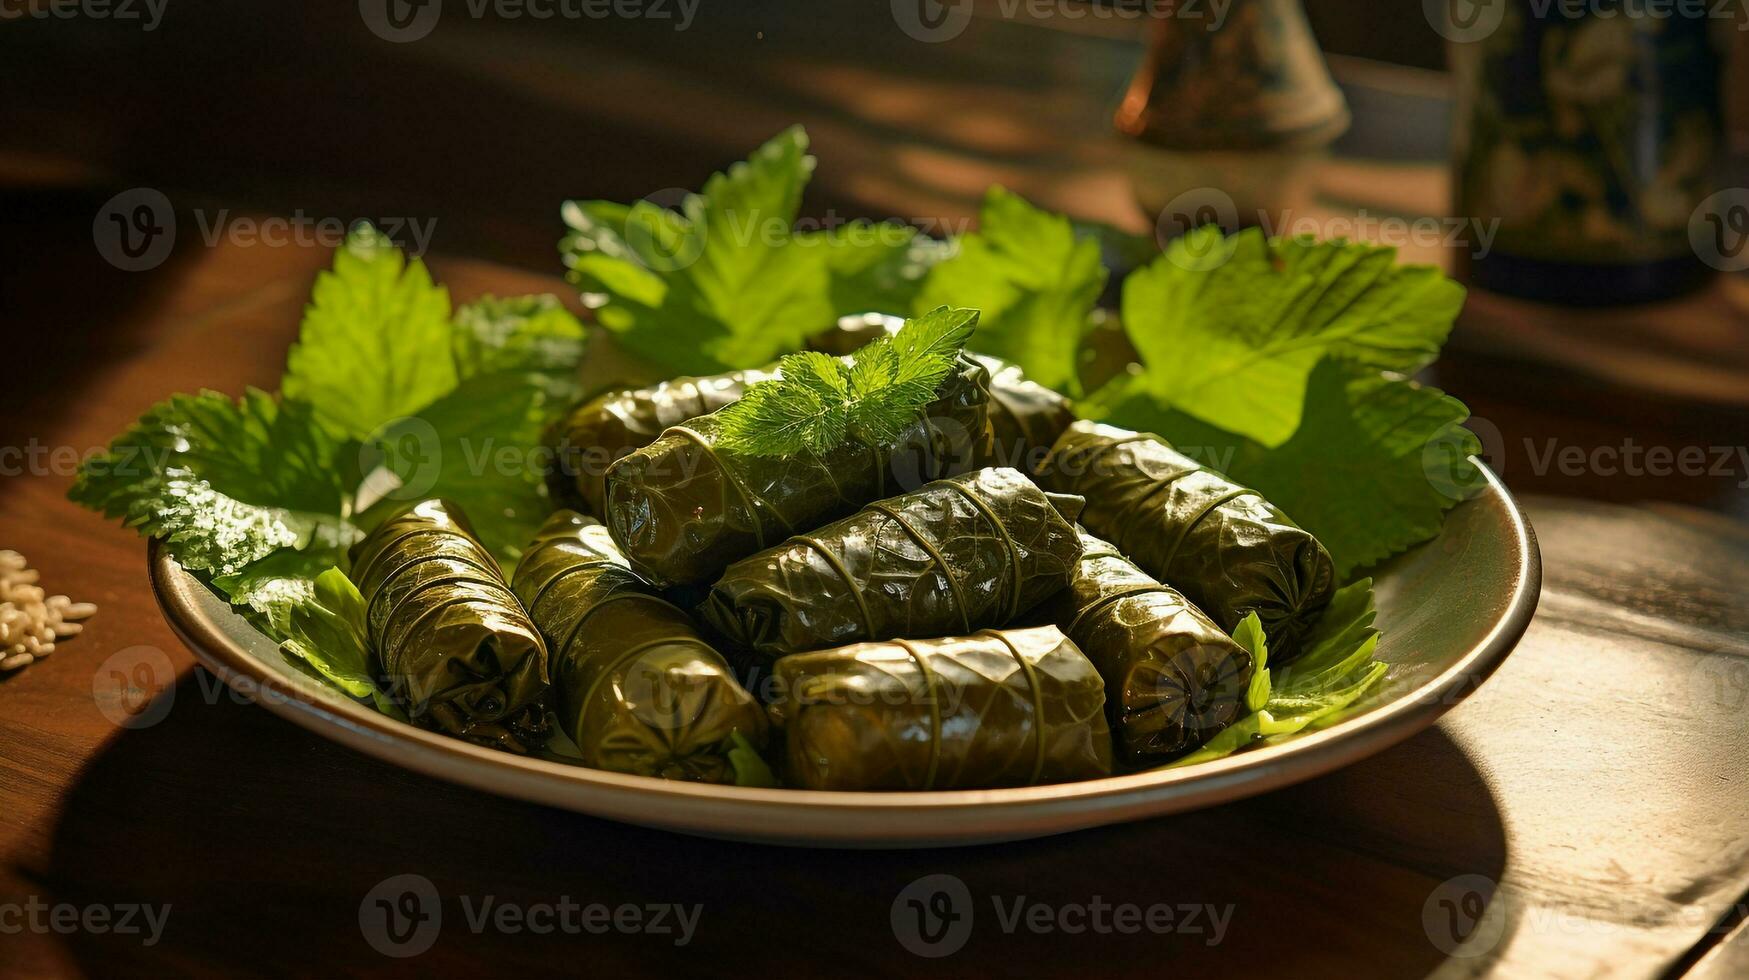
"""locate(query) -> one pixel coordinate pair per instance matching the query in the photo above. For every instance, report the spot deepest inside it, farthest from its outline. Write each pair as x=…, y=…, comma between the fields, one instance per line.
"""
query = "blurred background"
x=1466, y=134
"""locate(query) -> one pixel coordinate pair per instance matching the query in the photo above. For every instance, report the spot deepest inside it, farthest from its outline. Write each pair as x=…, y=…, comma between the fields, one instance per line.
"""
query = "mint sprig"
x=817, y=402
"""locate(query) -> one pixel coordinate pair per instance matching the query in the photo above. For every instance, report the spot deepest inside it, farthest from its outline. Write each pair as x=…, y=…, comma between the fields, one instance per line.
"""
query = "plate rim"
x=821, y=817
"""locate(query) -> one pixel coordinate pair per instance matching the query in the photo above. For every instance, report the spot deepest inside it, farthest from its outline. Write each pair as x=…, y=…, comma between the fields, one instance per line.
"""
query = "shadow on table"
x=267, y=842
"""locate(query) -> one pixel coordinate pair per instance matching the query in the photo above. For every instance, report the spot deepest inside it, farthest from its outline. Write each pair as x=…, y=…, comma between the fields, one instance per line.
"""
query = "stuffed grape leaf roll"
x=997, y=708
x=683, y=508
x=1225, y=547
x=637, y=688
x=598, y=432
x=1025, y=416
x=447, y=637
x=959, y=555
x=1173, y=679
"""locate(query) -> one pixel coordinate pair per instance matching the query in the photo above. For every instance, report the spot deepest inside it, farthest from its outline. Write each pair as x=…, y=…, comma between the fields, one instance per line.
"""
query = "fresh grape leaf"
x=480, y=447
x=376, y=339
x=1034, y=282
x=224, y=483
x=326, y=631
x=875, y=267
x=725, y=283
x=520, y=333
x=1230, y=330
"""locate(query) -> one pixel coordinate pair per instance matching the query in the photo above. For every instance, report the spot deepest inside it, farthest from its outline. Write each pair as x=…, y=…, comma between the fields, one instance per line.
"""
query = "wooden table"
x=1596, y=784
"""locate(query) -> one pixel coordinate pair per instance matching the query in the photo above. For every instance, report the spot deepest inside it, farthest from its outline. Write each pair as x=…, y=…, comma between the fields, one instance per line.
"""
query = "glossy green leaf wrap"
x=682, y=509
x=447, y=637
x=959, y=555
x=1225, y=547
x=997, y=708
x=598, y=432
x=636, y=687
x=1173, y=679
x=1025, y=417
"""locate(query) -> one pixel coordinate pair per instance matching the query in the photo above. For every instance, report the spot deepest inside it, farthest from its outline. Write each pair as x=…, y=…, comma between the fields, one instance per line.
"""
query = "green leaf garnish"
x=327, y=633
x=519, y=333
x=376, y=339
x=1233, y=342
x=224, y=483
x=876, y=267
x=817, y=402
x=1334, y=672
x=750, y=767
x=723, y=284
x=1033, y=280
x=478, y=446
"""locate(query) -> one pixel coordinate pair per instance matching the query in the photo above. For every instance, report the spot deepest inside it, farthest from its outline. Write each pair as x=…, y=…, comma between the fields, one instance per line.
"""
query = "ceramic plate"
x=1450, y=610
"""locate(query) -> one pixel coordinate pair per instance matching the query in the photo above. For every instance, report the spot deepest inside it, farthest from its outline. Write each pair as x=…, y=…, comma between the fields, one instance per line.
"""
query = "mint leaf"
x=1312, y=692
x=1230, y=330
x=1034, y=282
x=375, y=341
x=816, y=402
x=1375, y=463
x=224, y=483
x=724, y=284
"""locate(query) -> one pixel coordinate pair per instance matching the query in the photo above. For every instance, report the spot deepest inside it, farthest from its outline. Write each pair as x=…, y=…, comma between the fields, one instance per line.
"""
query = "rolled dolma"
x=682, y=509
x=1223, y=546
x=997, y=708
x=958, y=555
x=636, y=687
x=448, y=639
x=598, y=432
x=1025, y=416
x=1173, y=679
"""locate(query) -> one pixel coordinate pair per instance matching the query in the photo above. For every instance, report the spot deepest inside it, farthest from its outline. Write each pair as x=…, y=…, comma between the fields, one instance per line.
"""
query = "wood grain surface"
x=1581, y=815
